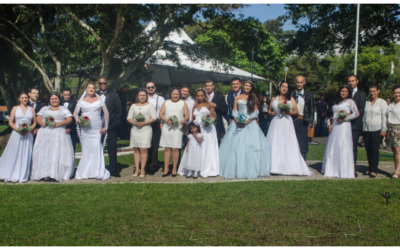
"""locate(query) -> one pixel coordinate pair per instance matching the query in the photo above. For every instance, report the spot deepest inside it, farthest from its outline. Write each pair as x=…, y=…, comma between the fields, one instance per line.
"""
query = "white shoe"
x=189, y=175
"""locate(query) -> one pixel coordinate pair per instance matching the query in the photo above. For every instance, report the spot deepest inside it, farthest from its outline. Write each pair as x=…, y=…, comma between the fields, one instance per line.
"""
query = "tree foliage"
x=231, y=40
x=333, y=26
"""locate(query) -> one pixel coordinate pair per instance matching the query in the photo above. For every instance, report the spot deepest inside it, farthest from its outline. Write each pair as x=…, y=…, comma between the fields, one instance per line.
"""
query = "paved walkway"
x=385, y=169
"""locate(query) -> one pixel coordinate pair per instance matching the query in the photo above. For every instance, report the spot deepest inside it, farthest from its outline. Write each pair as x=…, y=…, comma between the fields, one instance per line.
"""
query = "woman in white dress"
x=393, y=130
x=53, y=154
x=209, y=147
x=286, y=158
x=16, y=159
x=92, y=164
x=171, y=134
x=338, y=157
x=141, y=132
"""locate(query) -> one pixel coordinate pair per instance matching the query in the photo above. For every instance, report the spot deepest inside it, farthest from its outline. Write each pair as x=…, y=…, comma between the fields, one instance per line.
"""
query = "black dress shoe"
x=355, y=175
x=173, y=175
x=165, y=175
x=372, y=176
x=117, y=175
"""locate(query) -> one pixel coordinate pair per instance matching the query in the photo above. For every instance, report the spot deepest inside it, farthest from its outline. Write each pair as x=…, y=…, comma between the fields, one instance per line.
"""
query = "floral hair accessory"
x=196, y=123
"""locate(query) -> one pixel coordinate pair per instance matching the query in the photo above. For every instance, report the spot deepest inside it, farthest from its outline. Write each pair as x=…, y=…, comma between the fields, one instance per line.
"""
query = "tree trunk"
x=8, y=94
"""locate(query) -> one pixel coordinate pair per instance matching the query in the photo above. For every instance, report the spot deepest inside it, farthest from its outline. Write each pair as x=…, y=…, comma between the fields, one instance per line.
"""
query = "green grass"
x=234, y=214
x=4, y=129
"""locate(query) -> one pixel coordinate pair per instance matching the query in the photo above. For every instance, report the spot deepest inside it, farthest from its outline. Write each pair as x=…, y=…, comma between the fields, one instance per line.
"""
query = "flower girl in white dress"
x=16, y=159
x=92, y=164
x=192, y=161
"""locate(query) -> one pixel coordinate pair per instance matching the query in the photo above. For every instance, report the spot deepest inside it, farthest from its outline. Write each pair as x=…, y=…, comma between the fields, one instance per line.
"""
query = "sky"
x=264, y=12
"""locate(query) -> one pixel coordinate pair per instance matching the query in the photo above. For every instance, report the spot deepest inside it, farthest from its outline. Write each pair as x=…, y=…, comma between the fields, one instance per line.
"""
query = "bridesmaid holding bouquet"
x=173, y=113
x=141, y=115
x=16, y=159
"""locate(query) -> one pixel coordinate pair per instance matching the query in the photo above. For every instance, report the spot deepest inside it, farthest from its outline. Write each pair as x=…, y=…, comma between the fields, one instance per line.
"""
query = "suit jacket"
x=39, y=106
x=220, y=109
x=71, y=108
x=308, y=112
x=360, y=99
x=230, y=101
x=113, y=105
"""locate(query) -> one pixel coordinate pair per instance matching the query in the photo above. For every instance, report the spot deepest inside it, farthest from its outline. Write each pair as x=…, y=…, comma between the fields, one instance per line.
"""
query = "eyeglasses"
x=151, y=87
x=101, y=83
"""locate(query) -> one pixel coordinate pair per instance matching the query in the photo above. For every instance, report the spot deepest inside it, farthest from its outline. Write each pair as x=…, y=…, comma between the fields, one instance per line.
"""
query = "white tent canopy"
x=165, y=72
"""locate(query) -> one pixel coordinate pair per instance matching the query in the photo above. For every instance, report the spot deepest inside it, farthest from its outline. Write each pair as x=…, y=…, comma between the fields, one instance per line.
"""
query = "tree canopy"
x=328, y=27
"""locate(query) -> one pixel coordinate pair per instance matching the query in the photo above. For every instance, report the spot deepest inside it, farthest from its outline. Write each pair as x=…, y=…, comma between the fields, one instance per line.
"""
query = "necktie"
x=32, y=105
x=299, y=94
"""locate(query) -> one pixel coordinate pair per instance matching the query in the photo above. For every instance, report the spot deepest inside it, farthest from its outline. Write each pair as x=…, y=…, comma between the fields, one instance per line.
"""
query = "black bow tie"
x=66, y=101
x=103, y=93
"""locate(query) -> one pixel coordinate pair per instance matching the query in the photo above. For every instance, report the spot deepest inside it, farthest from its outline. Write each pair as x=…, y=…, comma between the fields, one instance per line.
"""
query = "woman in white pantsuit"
x=141, y=132
x=171, y=134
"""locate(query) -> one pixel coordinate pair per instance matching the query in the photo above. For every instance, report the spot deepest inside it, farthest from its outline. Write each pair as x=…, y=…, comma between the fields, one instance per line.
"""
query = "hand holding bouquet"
x=207, y=120
x=173, y=120
x=24, y=127
x=50, y=121
x=241, y=119
x=342, y=114
x=284, y=107
x=140, y=118
x=85, y=121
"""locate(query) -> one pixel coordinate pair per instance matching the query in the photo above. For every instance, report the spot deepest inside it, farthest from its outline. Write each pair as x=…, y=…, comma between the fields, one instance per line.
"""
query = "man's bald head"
x=300, y=81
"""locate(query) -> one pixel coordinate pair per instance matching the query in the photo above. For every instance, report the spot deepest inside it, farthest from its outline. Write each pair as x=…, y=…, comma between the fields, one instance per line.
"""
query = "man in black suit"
x=70, y=104
x=230, y=98
x=114, y=108
x=37, y=106
x=359, y=97
x=216, y=101
x=303, y=122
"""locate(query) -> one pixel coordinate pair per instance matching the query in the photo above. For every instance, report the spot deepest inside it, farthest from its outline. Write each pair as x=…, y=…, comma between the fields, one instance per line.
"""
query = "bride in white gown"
x=286, y=158
x=338, y=157
x=92, y=163
x=53, y=154
x=209, y=146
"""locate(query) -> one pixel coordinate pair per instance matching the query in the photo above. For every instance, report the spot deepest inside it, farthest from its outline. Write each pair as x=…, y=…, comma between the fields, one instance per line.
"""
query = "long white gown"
x=209, y=146
x=15, y=162
x=286, y=158
x=92, y=164
x=338, y=157
x=53, y=154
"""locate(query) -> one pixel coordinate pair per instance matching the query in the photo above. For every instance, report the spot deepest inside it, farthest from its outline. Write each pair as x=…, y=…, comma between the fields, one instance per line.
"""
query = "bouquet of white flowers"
x=49, y=121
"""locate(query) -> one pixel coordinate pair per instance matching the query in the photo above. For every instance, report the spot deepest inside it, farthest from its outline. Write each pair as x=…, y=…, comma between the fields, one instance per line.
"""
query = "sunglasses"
x=101, y=83
x=151, y=87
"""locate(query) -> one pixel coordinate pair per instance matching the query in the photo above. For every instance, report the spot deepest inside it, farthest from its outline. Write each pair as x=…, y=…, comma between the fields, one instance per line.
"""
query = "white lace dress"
x=338, y=157
x=286, y=158
x=53, y=154
x=92, y=164
x=15, y=162
x=192, y=157
x=209, y=146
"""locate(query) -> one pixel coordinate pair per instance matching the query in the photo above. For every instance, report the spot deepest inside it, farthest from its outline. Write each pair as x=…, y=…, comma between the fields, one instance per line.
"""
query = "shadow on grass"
x=359, y=168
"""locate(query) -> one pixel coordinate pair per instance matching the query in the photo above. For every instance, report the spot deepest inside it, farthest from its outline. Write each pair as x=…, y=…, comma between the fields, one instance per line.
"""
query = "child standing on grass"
x=192, y=157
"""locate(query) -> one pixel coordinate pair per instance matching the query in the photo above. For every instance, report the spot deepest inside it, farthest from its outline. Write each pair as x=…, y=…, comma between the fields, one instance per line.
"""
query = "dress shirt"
x=34, y=104
x=103, y=95
x=354, y=91
x=393, y=114
x=190, y=103
x=300, y=101
x=66, y=104
x=210, y=96
x=234, y=95
x=153, y=100
x=374, y=118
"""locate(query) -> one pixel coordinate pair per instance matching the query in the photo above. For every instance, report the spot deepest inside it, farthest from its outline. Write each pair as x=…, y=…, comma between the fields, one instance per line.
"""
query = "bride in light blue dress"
x=244, y=151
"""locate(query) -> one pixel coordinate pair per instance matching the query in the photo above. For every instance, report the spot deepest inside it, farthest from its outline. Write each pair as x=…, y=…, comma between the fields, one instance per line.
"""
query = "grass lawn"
x=310, y=212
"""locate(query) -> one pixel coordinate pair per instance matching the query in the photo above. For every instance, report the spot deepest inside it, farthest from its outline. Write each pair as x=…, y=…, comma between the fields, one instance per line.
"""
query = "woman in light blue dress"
x=244, y=151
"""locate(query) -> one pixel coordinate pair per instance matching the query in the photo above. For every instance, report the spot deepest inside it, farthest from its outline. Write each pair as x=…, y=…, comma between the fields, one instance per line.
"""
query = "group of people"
x=196, y=127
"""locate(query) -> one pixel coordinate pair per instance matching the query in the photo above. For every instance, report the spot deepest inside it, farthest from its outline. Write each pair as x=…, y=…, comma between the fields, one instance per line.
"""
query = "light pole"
x=254, y=35
x=286, y=69
x=356, y=47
